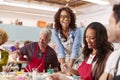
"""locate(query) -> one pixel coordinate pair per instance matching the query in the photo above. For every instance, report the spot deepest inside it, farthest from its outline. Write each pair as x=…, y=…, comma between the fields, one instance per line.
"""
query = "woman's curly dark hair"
x=72, y=24
x=103, y=46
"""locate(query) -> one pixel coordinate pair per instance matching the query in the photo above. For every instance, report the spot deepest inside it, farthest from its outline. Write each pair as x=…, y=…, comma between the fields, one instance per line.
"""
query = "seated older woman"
x=96, y=51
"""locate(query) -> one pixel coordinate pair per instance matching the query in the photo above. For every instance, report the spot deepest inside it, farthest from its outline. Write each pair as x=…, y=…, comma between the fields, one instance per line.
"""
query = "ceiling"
x=76, y=5
x=49, y=7
x=34, y=10
x=70, y=3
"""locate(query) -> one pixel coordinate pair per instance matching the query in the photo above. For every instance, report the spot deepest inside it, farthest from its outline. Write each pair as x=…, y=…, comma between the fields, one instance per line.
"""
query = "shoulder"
x=76, y=30
x=55, y=32
x=112, y=60
x=12, y=47
x=32, y=44
x=115, y=54
x=29, y=46
x=108, y=54
x=51, y=51
x=4, y=52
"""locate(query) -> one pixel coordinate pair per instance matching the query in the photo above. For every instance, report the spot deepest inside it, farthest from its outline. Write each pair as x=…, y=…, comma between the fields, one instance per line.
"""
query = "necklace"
x=39, y=55
x=90, y=59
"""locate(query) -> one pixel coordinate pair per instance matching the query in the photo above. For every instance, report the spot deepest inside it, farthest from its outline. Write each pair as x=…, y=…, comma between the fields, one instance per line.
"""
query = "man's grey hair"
x=46, y=31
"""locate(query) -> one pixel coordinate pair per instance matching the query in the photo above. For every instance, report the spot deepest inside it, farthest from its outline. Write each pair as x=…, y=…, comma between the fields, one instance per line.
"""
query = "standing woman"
x=67, y=36
x=3, y=54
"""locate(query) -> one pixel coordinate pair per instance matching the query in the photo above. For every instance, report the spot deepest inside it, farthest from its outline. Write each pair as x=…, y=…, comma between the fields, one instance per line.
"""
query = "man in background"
x=113, y=62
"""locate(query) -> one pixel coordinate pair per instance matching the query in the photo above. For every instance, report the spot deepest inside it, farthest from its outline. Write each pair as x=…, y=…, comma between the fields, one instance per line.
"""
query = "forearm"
x=58, y=76
x=73, y=71
x=62, y=60
x=72, y=62
x=106, y=76
x=22, y=62
x=103, y=76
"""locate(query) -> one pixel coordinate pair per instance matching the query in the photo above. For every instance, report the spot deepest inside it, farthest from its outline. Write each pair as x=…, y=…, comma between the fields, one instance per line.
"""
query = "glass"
x=36, y=75
x=64, y=16
x=6, y=69
x=34, y=71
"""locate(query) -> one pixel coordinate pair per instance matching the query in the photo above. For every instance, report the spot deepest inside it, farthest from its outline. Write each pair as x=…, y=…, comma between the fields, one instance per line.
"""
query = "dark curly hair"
x=72, y=24
x=3, y=36
x=102, y=45
x=116, y=12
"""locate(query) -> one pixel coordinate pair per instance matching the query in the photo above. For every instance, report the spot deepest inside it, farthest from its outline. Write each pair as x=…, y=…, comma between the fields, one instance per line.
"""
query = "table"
x=25, y=76
x=22, y=76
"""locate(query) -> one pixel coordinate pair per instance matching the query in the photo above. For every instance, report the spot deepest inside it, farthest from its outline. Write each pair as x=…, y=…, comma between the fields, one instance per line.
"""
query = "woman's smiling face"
x=90, y=38
x=65, y=19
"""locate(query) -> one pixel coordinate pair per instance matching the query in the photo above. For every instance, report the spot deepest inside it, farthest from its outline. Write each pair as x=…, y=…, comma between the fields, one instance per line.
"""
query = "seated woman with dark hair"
x=96, y=51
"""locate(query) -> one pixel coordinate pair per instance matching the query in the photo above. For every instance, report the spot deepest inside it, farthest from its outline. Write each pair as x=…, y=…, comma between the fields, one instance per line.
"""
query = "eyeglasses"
x=64, y=16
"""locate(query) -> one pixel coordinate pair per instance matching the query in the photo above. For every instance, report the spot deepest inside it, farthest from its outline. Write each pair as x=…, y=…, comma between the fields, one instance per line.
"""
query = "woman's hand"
x=58, y=76
x=65, y=68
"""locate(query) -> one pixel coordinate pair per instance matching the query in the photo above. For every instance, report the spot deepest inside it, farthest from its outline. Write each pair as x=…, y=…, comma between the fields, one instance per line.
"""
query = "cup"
x=76, y=77
x=37, y=77
x=50, y=71
x=6, y=69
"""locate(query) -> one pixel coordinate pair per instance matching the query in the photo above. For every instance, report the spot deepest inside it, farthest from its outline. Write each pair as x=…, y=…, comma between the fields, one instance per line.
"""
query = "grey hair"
x=17, y=41
x=46, y=31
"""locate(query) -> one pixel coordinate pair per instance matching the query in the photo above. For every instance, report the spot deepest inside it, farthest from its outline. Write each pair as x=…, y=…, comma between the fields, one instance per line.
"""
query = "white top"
x=112, y=60
x=67, y=44
x=90, y=59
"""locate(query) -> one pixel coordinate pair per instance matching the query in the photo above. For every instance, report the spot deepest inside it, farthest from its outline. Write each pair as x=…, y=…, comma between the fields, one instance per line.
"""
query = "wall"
x=27, y=19
x=101, y=15
x=88, y=14
x=21, y=33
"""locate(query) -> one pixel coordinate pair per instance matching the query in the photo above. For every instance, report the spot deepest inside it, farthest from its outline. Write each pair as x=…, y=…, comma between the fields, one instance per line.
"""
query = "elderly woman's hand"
x=58, y=76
